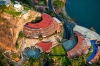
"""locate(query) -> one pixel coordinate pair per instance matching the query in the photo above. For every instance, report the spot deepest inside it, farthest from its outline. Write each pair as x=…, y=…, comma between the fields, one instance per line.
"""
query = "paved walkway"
x=86, y=32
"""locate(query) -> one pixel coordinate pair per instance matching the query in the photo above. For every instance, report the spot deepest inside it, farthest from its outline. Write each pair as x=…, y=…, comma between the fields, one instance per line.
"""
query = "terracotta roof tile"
x=46, y=21
x=45, y=45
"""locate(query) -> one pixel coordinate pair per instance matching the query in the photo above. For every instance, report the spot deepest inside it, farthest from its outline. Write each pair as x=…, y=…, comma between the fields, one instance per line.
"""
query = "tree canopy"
x=37, y=19
x=21, y=35
x=51, y=13
x=59, y=3
x=3, y=61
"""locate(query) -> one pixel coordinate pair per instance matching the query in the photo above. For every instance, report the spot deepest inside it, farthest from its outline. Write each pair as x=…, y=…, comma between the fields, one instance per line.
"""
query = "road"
x=67, y=34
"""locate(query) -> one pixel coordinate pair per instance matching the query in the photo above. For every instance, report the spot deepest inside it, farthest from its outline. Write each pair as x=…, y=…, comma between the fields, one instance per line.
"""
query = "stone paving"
x=31, y=42
x=86, y=32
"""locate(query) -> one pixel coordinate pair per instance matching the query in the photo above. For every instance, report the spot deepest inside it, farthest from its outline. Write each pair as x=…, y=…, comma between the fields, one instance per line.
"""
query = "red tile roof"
x=46, y=21
x=45, y=45
x=97, y=56
x=99, y=50
x=79, y=48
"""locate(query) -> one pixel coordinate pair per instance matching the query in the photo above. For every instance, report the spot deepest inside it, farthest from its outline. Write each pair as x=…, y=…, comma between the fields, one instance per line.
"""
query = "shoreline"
x=69, y=19
x=65, y=13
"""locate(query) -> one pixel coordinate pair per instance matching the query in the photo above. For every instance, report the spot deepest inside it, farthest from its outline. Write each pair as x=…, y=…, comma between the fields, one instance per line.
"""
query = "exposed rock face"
x=11, y=26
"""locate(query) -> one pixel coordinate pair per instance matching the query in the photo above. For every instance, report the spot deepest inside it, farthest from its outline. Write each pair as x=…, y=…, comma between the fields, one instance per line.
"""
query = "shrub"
x=14, y=13
x=59, y=3
x=21, y=35
x=37, y=19
x=17, y=45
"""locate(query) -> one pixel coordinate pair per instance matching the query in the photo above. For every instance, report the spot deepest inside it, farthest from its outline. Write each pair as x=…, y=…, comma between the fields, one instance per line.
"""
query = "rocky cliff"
x=10, y=27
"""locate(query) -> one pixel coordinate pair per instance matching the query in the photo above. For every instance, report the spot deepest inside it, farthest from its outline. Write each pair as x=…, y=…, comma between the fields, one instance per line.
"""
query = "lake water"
x=85, y=12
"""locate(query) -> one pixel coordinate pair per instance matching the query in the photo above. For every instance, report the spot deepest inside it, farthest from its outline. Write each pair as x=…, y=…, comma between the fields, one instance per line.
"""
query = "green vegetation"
x=9, y=10
x=28, y=2
x=11, y=64
x=14, y=55
x=26, y=8
x=17, y=45
x=79, y=61
x=41, y=3
x=51, y=58
x=66, y=17
x=60, y=34
x=2, y=7
x=31, y=60
x=59, y=3
x=51, y=13
x=21, y=35
x=26, y=63
x=88, y=54
x=14, y=13
x=37, y=19
x=58, y=50
x=59, y=54
x=90, y=51
x=40, y=37
x=62, y=22
x=65, y=61
x=3, y=61
x=13, y=1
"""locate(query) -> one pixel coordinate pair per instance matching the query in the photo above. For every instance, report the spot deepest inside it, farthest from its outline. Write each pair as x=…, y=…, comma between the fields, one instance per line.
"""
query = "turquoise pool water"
x=85, y=12
x=31, y=53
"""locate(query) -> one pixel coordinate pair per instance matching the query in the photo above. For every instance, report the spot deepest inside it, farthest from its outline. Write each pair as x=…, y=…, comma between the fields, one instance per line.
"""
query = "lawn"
x=58, y=50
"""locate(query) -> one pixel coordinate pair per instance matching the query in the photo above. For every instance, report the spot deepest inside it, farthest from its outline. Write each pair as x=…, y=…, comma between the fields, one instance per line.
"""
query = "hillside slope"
x=10, y=27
